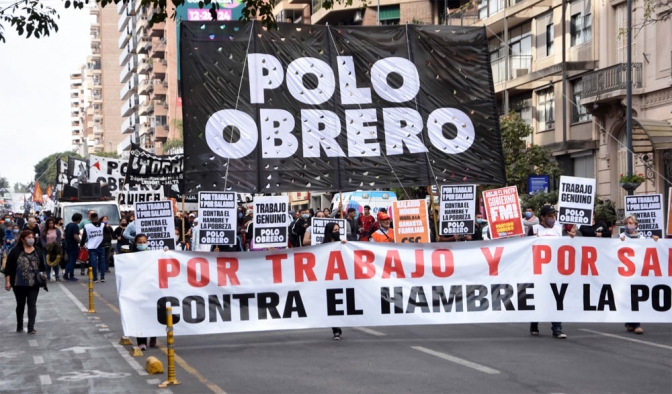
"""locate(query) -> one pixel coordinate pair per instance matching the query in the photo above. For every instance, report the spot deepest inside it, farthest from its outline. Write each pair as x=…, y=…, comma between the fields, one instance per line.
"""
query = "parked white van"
x=375, y=199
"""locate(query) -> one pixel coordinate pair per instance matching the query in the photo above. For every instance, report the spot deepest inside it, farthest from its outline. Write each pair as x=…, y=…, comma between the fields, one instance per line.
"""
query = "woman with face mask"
x=548, y=227
x=108, y=236
x=631, y=235
x=332, y=233
x=24, y=263
x=141, y=244
x=50, y=236
x=307, y=237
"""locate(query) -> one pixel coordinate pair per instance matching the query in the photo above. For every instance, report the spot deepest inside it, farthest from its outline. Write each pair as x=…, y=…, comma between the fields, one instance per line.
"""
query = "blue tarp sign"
x=537, y=183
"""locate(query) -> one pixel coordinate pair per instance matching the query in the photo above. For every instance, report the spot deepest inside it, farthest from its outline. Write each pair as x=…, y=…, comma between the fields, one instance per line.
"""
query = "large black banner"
x=310, y=107
x=145, y=168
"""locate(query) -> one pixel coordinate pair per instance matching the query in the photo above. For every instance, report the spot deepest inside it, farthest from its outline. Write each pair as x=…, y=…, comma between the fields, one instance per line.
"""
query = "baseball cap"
x=191, y=215
x=547, y=209
x=383, y=216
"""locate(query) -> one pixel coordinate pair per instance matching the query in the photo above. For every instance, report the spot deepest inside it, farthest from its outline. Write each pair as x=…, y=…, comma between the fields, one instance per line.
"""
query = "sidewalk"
x=71, y=352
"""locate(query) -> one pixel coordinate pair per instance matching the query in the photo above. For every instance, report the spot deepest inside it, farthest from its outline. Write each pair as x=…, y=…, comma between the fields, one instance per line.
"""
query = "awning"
x=649, y=135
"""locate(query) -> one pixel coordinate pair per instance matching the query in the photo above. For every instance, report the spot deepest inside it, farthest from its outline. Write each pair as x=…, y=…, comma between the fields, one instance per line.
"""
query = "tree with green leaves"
x=109, y=155
x=45, y=169
x=38, y=20
x=20, y=187
x=4, y=183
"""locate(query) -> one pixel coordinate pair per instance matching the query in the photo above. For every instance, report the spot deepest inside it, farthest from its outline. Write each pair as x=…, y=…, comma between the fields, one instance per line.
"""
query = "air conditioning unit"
x=519, y=72
x=357, y=17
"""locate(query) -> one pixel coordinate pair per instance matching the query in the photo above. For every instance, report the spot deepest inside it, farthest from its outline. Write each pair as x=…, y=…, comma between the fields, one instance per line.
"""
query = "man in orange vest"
x=385, y=233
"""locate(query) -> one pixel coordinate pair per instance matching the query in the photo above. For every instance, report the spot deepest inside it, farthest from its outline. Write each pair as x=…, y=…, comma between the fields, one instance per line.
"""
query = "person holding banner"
x=309, y=231
x=547, y=227
x=141, y=244
x=631, y=224
x=365, y=223
x=332, y=233
x=385, y=232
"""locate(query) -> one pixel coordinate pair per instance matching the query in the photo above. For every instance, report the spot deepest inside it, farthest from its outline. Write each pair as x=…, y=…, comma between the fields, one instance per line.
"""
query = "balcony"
x=124, y=145
x=95, y=51
x=160, y=108
x=130, y=106
x=140, y=24
x=129, y=87
x=519, y=65
x=97, y=130
x=97, y=81
x=159, y=48
x=160, y=90
x=94, y=10
x=130, y=124
x=94, y=67
x=144, y=88
x=610, y=79
x=124, y=56
x=161, y=133
x=95, y=38
x=146, y=108
x=159, y=68
x=128, y=70
x=121, y=7
x=124, y=38
x=98, y=109
x=145, y=67
x=146, y=129
x=158, y=30
x=145, y=45
x=124, y=18
x=137, y=5
x=132, y=45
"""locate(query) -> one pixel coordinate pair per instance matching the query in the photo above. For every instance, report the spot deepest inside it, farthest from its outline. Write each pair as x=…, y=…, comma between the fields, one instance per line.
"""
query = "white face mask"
x=30, y=241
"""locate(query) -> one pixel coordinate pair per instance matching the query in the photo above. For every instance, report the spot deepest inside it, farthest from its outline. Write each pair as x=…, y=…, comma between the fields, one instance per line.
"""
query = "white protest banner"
x=217, y=219
x=368, y=284
x=648, y=209
x=317, y=226
x=271, y=219
x=410, y=221
x=576, y=200
x=503, y=209
x=458, y=209
x=111, y=173
x=155, y=220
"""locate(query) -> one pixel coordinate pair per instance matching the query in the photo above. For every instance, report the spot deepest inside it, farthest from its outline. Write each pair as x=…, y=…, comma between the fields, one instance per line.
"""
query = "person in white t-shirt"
x=547, y=227
x=631, y=224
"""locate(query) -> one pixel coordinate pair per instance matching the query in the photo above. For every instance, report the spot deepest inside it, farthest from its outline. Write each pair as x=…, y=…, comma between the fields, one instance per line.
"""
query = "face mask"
x=15, y=231
x=105, y=223
x=7, y=221
x=123, y=225
x=550, y=222
x=630, y=228
x=528, y=215
x=336, y=236
x=240, y=215
x=479, y=221
x=30, y=241
x=141, y=247
x=305, y=216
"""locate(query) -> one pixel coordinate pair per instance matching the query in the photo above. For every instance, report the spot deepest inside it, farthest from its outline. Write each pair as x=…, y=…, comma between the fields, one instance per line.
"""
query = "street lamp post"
x=628, y=83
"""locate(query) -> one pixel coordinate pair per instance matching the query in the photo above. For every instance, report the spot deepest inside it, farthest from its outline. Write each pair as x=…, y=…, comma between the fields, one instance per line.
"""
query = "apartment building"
x=149, y=78
x=77, y=124
x=580, y=118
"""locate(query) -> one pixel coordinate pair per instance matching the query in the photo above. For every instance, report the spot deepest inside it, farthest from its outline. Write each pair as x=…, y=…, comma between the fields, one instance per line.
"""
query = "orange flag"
x=37, y=194
x=50, y=190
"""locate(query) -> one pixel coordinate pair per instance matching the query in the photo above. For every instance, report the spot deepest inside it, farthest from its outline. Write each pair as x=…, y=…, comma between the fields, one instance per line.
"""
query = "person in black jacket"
x=597, y=229
x=24, y=263
x=108, y=236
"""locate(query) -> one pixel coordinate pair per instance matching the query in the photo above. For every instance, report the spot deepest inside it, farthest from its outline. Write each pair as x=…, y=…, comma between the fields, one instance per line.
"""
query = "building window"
x=550, y=37
x=546, y=109
x=390, y=15
x=579, y=113
x=581, y=24
x=488, y=8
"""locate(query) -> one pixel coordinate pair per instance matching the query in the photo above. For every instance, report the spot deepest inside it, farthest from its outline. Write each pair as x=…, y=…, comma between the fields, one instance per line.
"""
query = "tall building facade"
x=77, y=108
x=571, y=91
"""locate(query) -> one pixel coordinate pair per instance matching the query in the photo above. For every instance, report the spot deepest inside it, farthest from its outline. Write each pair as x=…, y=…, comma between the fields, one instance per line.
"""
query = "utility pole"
x=628, y=83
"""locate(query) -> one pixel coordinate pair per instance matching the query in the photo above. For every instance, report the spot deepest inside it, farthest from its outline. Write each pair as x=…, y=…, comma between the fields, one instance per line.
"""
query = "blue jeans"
x=97, y=256
x=72, y=261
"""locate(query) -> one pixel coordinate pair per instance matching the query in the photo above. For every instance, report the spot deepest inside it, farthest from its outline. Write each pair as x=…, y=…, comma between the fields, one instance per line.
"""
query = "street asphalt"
x=75, y=353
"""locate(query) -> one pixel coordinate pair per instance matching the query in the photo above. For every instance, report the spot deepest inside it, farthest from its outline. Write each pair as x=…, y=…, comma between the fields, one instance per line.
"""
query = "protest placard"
x=576, y=200
x=271, y=219
x=155, y=220
x=648, y=209
x=317, y=226
x=217, y=218
x=458, y=209
x=410, y=221
x=503, y=209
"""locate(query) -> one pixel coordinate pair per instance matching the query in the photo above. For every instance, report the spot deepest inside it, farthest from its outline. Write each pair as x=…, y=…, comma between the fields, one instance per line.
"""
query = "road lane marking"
x=32, y=342
x=370, y=331
x=179, y=360
x=627, y=339
x=129, y=359
x=45, y=380
x=73, y=298
x=154, y=381
x=457, y=360
x=38, y=360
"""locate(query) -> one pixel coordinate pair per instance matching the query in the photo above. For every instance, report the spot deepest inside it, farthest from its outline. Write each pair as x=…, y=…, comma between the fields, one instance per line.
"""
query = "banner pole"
x=340, y=199
x=91, y=307
x=184, y=236
x=172, y=380
x=431, y=207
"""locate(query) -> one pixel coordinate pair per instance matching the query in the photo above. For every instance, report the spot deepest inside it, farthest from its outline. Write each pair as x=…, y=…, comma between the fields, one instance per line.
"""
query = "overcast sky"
x=35, y=92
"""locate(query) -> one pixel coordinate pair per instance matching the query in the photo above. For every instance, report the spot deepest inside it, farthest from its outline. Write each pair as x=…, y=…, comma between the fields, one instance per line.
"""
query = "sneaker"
x=32, y=331
x=103, y=280
x=534, y=329
x=96, y=281
x=143, y=347
x=629, y=328
x=559, y=334
x=73, y=279
x=81, y=273
x=337, y=337
x=19, y=329
x=58, y=279
x=638, y=331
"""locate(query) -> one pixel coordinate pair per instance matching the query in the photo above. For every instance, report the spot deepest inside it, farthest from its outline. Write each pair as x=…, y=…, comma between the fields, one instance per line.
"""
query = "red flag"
x=37, y=194
x=50, y=190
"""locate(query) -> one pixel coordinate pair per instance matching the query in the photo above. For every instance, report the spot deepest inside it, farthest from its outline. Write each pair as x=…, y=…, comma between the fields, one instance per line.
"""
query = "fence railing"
x=610, y=79
x=519, y=65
